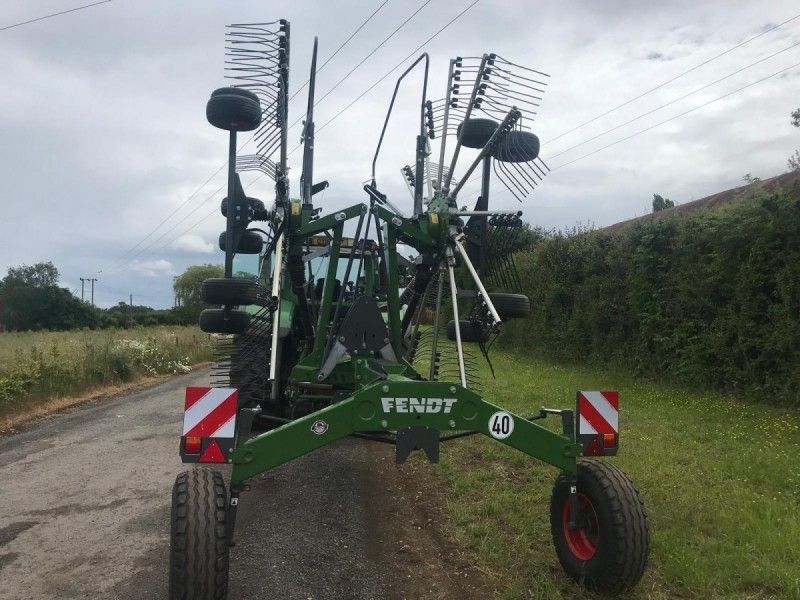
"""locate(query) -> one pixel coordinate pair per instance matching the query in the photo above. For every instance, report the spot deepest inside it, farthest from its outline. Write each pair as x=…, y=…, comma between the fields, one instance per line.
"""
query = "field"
x=38, y=366
x=719, y=477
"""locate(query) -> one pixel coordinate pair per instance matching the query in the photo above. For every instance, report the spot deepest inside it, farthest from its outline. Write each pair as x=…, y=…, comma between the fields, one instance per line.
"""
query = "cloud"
x=193, y=243
x=108, y=147
x=153, y=268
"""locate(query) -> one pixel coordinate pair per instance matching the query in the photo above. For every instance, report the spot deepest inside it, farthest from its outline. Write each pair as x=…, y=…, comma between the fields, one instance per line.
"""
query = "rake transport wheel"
x=231, y=290
x=608, y=551
x=249, y=243
x=198, y=548
x=213, y=320
x=234, y=109
x=511, y=306
x=474, y=133
x=517, y=146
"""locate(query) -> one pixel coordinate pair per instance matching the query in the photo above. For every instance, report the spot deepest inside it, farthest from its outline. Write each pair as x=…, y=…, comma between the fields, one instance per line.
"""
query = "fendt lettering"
x=418, y=405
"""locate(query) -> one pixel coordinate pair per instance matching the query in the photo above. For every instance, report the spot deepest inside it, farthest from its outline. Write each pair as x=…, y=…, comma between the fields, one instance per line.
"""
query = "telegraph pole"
x=82, y=282
x=93, y=279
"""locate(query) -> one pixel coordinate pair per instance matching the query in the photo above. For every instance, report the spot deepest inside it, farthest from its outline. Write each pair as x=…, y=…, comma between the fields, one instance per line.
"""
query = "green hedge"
x=711, y=300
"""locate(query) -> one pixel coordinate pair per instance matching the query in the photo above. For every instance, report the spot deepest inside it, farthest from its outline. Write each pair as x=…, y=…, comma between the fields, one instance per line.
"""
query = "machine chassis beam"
x=384, y=406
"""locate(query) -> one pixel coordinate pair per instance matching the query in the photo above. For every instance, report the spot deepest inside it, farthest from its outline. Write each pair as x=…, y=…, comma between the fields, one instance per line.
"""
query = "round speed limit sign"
x=501, y=425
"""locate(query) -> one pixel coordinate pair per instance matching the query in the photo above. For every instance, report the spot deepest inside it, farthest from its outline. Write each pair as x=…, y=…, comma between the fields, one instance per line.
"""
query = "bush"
x=39, y=366
x=711, y=300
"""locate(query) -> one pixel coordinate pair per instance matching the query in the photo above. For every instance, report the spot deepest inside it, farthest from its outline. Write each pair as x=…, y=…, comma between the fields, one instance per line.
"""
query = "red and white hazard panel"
x=209, y=424
x=598, y=422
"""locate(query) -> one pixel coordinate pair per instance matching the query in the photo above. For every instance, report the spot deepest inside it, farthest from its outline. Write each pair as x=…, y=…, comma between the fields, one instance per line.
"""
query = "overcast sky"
x=102, y=115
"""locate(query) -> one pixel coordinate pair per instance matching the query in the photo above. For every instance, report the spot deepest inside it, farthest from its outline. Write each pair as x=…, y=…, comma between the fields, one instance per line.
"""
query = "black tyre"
x=474, y=133
x=511, y=306
x=234, y=109
x=229, y=290
x=517, y=146
x=198, y=549
x=212, y=320
x=250, y=242
x=470, y=332
x=608, y=553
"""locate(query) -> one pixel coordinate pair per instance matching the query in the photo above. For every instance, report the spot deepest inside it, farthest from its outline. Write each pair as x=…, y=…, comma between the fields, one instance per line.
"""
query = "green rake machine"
x=378, y=336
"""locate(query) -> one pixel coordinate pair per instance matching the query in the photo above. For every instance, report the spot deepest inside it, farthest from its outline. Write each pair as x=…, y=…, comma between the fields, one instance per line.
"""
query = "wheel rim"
x=581, y=541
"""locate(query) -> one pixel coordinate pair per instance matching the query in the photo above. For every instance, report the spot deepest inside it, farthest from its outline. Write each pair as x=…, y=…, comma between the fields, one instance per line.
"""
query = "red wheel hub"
x=581, y=541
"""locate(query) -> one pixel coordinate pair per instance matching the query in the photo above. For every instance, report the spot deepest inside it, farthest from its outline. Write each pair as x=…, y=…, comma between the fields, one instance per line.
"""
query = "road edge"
x=23, y=420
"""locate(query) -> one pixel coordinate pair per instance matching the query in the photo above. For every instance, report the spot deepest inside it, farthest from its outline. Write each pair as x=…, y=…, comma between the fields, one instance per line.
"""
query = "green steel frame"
x=395, y=397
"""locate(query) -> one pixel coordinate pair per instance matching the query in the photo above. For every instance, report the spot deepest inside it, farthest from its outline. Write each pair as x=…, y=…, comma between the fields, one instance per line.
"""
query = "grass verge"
x=39, y=367
x=720, y=479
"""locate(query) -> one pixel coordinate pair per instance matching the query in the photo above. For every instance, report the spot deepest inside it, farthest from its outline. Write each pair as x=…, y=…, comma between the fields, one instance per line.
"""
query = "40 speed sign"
x=501, y=425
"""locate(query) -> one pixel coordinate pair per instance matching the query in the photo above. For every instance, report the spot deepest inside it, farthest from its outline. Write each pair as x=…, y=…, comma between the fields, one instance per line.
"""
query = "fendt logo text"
x=418, y=405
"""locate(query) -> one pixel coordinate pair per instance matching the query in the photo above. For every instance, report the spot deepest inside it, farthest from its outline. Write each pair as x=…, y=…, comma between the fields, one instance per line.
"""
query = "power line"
x=704, y=104
x=50, y=16
x=342, y=45
x=149, y=249
x=117, y=265
x=400, y=64
x=170, y=215
x=650, y=112
x=448, y=24
x=392, y=70
x=374, y=50
x=668, y=81
x=225, y=164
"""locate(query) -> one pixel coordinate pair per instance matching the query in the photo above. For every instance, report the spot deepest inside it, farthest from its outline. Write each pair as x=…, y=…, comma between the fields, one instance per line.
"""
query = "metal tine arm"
x=508, y=123
x=503, y=60
x=510, y=180
x=498, y=101
x=473, y=95
x=504, y=180
x=509, y=74
x=509, y=92
x=445, y=117
x=497, y=110
x=474, y=274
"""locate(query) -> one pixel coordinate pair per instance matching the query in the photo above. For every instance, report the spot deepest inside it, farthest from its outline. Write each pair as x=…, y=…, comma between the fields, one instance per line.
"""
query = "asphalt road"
x=84, y=512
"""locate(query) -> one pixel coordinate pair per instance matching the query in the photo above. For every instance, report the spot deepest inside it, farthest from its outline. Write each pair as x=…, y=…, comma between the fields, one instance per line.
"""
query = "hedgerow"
x=710, y=300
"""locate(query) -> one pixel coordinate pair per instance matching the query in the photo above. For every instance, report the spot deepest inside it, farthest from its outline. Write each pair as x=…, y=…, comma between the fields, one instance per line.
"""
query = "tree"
x=794, y=160
x=660, y=203
x=38, y=275
x=30, y=298
x=750, y=179
x=187, y=289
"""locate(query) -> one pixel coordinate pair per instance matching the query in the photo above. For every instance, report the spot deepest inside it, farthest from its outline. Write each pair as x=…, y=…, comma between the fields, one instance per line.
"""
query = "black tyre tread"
x=517, y=146
x=229, y=290
x=631, y=539
x=212, y=321
x=474, y=133
x=199, y=556
x=511, y=306
x=233, y=109
x=250, y=242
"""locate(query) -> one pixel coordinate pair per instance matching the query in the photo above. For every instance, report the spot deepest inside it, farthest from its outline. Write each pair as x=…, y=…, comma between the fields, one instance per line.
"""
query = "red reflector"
x=213, y=454
x=192, y=444
x=593, y=449
x=609, y=440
